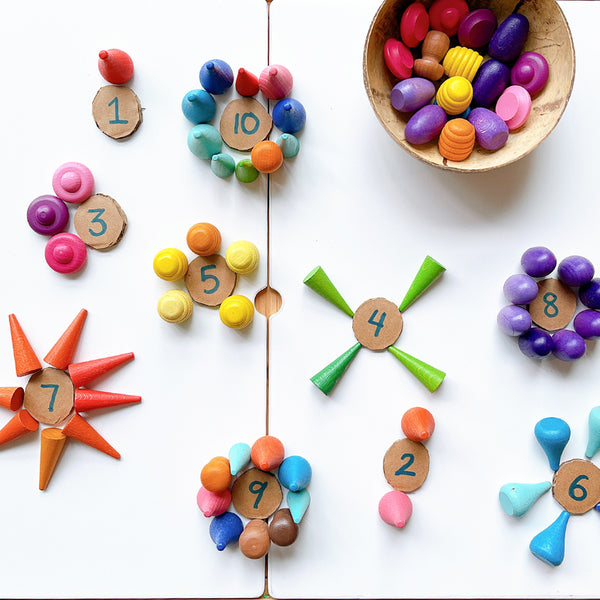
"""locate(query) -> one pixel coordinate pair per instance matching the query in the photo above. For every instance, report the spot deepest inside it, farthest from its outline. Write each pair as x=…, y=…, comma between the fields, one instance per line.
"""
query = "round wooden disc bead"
x=576, y=486
x=244, y=123
x=377, y=323
x=209, y=280
x=170, y=264
x=100, y=222
x=414, y=24
x=49, y=396
x=117, y=111
x=47, y=215
x=73, y=182
x=554, y=305
x=203, y=239
x=236, y=311
x=65, y=253
x=266, y=156
x=242, y=257
x=406, y=465
x=175, y=306
x=256, y=494
x=398, y=58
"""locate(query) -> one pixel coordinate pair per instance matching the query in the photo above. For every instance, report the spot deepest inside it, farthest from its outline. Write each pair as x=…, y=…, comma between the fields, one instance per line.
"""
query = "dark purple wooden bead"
x=514, y=320
x=575, y=271
x=425, y=125
x=491, y=80
x=477, y=28
x=589, y=294
x=587, y=324
x=491, y=132
x=536, y=343
x=568, y=345
x=510, y=37
x=538, y=261
x=520, y=289
x=411, y=94
x=48, y=215
x=530, y=71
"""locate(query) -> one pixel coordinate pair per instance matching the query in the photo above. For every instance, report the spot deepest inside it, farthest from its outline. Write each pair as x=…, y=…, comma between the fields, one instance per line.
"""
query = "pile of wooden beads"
x=406, y=466
x=245, y=123
x=99, y=220
x=256, y=494
x=456, y=96
x=116, y=109
x=210, y=278
x=551, y=304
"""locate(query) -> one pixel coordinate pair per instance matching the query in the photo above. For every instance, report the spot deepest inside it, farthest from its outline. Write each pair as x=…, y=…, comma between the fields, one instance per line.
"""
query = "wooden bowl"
x=549, y=35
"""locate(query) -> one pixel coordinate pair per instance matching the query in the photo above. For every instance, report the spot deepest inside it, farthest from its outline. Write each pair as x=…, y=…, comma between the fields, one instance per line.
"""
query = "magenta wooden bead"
x=538, y=261
x=412, y=93
x=447, y=15
x=510, y=37
x=520, y=289
x=587, y=324
x=477, y=28
x=589, y=294
x=398, y=58
x=65, y=253
x=213, y=504
x=514, y=320
x=73, y=182
x=491, y=132
x=568, y=345
x=575, y=271
x=514, y=106
x=530, y=71
x=47, y=215
x=275, y=82
x=414, y=24
x=491, y=80
x=425, y=125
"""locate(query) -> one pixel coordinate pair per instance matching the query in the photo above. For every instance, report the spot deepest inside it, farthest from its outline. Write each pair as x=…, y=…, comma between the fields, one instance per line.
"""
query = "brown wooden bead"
x=255, y=541
x=435, y=46
x=282, y=529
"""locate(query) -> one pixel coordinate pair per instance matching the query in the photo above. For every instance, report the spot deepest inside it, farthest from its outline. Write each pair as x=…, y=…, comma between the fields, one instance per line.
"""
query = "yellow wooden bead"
x=242, y=257
x=170, y=264
x=175, y=306
x=455, y=95
x=463, y=62
x=236, y=311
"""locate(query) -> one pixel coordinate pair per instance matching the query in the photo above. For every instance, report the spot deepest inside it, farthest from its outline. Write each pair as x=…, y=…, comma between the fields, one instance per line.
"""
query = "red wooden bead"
x=414, y=24
x=246, y=83
x=447, y=15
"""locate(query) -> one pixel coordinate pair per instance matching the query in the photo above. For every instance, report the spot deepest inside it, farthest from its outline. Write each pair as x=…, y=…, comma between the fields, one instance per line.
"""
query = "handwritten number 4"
x=378, y=324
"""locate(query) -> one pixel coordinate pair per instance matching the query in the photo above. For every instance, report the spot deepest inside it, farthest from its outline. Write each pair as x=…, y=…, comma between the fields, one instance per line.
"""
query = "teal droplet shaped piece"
x=298, y=503
x=225, y=529
x=327, y=377
x=222, y=165
x=553, y=435
x=289, y=144
x=594, y=432
x=517, y=498
x=204, y=141
x=239, y=457
x=295, y=473
x=318, y=281
x=549, y=545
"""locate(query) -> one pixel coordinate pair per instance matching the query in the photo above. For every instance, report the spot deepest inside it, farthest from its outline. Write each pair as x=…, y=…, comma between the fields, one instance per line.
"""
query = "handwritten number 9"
x=258, y=488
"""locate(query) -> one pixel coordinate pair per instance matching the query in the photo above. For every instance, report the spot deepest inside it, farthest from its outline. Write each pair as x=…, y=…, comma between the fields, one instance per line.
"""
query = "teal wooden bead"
x=298, y=503
x=239, y=457
x=204, y=141
x=553, y=434
x=225, y=529
x=198, y=106
x=289, y=144
x=245, y=171
x=594, y=432
x=517, y=498
x=222, y=165
x=549, y=545
x=295, y=473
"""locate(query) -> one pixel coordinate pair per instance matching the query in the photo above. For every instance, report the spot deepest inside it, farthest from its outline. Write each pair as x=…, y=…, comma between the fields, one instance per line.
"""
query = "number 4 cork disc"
x=100, y=222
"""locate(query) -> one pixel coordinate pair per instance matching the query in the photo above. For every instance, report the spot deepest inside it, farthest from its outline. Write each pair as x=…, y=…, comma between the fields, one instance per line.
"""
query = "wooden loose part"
x=406, y=465
x=100, y=222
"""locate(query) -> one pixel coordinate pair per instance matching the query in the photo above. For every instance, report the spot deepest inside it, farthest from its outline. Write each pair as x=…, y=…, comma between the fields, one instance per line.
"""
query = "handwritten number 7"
x=54, y=387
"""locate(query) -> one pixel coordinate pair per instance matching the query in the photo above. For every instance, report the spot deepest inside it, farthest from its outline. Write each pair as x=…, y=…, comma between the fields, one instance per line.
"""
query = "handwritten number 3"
x=97, y=219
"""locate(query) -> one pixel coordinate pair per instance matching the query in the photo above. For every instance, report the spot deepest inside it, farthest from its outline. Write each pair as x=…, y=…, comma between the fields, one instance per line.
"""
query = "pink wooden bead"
x=65, y=253
x=395, y=508
x=514, y=106
x=73, y=182
x=414, y=24
x=398, y=58
x=212, y=504
x=275, y=82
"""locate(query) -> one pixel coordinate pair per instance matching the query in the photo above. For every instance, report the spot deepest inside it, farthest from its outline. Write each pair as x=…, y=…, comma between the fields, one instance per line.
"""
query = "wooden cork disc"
x=100, y=222
x=244, y=123
x=406, y=465
x=576, y=486
x=49, y=396
x=554, y=306
x=209, y=280
x=377, y=323
x=256, y=494
x=117, y=111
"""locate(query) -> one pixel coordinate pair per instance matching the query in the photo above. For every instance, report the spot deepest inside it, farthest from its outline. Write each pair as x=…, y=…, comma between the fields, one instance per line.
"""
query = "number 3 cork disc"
x=100, y=222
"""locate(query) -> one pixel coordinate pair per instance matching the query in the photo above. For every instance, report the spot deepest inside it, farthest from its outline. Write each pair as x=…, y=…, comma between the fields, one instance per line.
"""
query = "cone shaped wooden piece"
x=84, y=372
x=78, y=428
x=552, y=435
x=91, y=399
x=61, y=353
x=11, y=397
x=326, y=379
x=430, y=270
x=517, y=498
x=19, y=425
x=429, y=376
x=594, y=432
x=549, y=545
x=318, y=281
x=26, y=361
x=51, y=447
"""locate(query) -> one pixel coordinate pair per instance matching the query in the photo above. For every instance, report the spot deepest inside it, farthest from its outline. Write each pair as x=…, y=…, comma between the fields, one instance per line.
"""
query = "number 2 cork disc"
x=256, y=494
x=100, y=222
x=406, y=465
x=554, y=306
x=244, y=123
x=117, y=111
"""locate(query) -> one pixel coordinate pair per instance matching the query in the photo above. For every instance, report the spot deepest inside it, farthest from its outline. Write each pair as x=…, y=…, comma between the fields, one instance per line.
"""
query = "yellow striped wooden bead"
x=170, y=264
x=175, y=306
x=463, y=62
x=237, y=311
x=455, y=95
x=242, y=257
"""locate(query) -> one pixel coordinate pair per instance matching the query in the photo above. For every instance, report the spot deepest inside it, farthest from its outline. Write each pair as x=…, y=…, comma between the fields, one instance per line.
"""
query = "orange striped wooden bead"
x=457, y=140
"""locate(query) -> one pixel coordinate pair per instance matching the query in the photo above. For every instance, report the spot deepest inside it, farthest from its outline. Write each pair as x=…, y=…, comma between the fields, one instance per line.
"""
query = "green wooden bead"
x=245, y=171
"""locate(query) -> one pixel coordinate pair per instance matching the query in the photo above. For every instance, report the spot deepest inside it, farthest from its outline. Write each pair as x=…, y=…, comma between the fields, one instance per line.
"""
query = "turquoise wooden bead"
x=198, y=106
x=289, y=144
x=204, y=141
x=549, y=545
x=295, y=473
x=298, y=503
x=245, y=171
x=594, y=432
x=517, y=498
x=225, y=529
x=553, y=434
x=222, y=165
x=239, y=457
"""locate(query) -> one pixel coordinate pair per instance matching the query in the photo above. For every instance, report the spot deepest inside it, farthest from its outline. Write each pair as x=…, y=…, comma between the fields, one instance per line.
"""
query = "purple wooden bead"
x=575, y=271
x=491, y=80
x=530, y=71
x=477, y=28
x=520, y=289
x=491, y=131
x=568, y=345
x=425, y=125
x=589, y=294
x=514, y=320
x=587, y=324
x=538, y=261
x=411, y=94
x=510, y=37
x=48, y=215
x=535, y=343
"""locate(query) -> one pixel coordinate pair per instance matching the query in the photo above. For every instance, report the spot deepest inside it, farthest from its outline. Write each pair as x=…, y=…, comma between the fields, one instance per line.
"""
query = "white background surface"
x=352, y=201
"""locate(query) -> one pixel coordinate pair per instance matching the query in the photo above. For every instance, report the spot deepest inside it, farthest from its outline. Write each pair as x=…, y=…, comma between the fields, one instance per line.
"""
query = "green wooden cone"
x=326, y=379
x=429, y=376
x=318, y=281
x=430, y=270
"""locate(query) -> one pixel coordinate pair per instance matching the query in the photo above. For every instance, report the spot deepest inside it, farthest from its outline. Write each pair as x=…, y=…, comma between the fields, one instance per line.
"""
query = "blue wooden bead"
x=425, y=125
x=553, y=435
x=509, y=38
x=589, y=294
x=568, y=345
x=289, y=115
x=491, y=80
x=412, y=93
x=204, y=141
x=514, y=320
x=517, y=498
x=587, y=324
x=198, y=106
x=289, y=144
x=593, y=433
x=535, y=343
x=549, y=545
x=538, y=261
x=295, y=473
x=225, y=529
x=222, y=165
x=216, y=76
x=575, y=271
x=520, y=289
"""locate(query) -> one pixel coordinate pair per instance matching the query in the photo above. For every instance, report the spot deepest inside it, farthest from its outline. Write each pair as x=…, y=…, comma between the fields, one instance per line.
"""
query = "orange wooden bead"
x=417, y=424
x=457, y=140
x=266, y=156
x=267, y=453
x=216, y=475
x=203, y=239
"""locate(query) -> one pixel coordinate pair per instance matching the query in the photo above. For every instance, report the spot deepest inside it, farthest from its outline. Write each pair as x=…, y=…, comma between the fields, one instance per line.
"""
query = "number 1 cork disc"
x=244, y=123
x=117, y=111
x=100, y=222
x=406, y=465
x=554, y=306
x=256, y=494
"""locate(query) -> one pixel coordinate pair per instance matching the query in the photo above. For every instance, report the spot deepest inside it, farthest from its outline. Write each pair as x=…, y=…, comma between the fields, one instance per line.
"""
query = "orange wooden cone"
x=84, y=372
x=62, y=352
x=11, y=397
x=78, y=428
x=26, y=361
x=91, y=399
x=51, y=446
x=19, y=425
